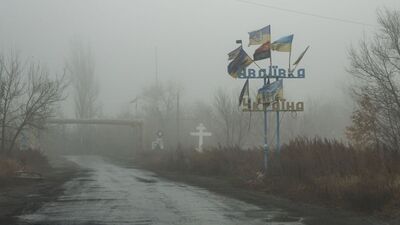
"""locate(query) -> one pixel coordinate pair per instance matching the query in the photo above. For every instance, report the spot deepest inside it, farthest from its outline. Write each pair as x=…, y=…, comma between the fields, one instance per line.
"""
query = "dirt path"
x=116, y=193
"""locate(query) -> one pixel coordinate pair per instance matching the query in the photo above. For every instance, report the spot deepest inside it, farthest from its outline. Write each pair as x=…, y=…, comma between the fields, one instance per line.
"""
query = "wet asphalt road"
x=113, y=195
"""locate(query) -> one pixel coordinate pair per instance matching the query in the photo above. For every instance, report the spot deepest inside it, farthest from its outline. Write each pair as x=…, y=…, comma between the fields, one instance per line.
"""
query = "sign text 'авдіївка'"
x=271, y=72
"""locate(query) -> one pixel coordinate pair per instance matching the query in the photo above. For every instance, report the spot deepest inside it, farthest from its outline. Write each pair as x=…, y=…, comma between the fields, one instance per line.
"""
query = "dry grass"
x=28, y=160
x=8, y=167
x=312, y=170
x=31, y=160
x=337, y=174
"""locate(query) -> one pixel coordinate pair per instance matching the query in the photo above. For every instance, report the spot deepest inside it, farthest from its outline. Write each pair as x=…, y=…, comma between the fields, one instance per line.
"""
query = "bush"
x=31, y=160
x=27, y=160
x=8, y=167
x=316, y=170
x=340, y=175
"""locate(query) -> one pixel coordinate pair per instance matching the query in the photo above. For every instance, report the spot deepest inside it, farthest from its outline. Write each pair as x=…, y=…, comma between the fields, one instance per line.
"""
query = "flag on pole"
x=270, y=92
x=263, y=52
x=241, y=61
x=301, y=56
x=245, y=89
x=233, y=54
x=283, y=44
x=261, y=36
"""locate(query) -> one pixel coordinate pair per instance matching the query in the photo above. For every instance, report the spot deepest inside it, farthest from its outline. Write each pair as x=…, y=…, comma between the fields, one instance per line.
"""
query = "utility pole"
x=178, y=143
x=156, y=65
x=135, y=100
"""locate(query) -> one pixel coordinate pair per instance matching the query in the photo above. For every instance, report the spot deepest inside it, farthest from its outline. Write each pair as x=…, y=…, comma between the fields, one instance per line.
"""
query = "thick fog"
x=192, y=39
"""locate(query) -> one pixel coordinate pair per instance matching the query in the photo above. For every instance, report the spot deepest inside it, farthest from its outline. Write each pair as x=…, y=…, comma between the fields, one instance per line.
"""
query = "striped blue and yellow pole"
x=265, y=133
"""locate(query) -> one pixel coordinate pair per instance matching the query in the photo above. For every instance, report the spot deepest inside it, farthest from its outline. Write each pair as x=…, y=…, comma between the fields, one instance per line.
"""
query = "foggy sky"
x=192, y=38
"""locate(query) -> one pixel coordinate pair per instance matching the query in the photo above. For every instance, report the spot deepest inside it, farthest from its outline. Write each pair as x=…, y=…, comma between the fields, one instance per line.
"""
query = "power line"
x=307, y=14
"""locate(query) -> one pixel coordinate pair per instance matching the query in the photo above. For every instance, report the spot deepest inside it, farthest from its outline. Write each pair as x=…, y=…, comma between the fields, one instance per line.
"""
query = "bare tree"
x=159, y=106
x=234, y=121
x=81, y=68
x=27, y=97
x=375, y=65
x=161, y=101
x=80, y=65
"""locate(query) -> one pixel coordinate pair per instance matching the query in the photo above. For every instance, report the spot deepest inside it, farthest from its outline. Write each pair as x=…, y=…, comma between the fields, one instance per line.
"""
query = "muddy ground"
x=20, y=195
x=111, y=194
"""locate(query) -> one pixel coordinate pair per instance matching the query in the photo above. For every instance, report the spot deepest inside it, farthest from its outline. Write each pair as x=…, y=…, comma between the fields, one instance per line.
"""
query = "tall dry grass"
x=8, y=167
x=27, y=160
x=330, y=171
x=312, y=170
x=31, y=160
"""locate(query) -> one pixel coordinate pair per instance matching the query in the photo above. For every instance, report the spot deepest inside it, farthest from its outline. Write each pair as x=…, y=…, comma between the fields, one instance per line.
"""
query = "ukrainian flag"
x=270, y=92
x=283, y=44
x=261, y=36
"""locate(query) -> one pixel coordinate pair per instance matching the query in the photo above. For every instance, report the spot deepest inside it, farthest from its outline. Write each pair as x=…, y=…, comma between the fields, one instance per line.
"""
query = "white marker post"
x=158, y=144
x=201, y=134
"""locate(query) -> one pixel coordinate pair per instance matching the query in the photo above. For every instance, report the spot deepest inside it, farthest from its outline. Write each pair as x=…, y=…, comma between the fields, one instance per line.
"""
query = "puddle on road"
x=274, y=217
x=86, y=200
x=284, y=219
x=145, y=180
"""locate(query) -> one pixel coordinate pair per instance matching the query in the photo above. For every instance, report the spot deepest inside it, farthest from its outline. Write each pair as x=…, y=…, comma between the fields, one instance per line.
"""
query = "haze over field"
x=129, y=112
x=192, y=37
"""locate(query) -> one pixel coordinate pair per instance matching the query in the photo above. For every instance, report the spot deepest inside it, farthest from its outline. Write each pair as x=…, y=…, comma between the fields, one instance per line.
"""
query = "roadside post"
x=270, y=96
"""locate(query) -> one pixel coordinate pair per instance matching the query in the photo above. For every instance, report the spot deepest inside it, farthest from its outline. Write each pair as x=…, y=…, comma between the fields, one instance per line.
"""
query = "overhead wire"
x=307, y=13
x=304, y=14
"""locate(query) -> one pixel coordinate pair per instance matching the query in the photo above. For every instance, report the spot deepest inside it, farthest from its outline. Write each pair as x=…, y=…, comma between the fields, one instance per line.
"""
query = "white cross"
x=201, y=128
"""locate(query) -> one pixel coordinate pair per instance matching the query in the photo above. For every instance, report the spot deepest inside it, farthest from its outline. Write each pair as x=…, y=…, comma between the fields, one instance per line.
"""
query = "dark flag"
x=301, y=56
x=245, y=89
x=241, y=61
x=233, y=54
x=263, y=52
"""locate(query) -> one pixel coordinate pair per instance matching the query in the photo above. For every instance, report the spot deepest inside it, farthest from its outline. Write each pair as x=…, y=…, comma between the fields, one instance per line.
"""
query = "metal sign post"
x=277, y=106
x=271, y=94
x=265, y=133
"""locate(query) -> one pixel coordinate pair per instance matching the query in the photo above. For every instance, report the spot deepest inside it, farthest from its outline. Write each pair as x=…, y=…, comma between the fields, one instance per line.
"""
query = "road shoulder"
x=312, y=214
x=21, y=196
